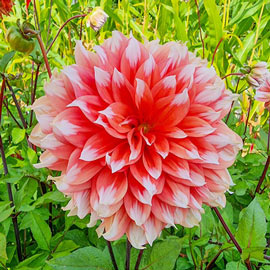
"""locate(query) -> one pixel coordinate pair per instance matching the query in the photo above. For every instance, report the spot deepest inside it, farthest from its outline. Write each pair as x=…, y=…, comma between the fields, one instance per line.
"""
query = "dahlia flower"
x=263, y=92
x=5, y=7
x=136, y=131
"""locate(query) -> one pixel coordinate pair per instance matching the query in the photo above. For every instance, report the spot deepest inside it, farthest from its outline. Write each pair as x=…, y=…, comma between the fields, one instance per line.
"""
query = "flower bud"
x=96, y=19
x=257, y=74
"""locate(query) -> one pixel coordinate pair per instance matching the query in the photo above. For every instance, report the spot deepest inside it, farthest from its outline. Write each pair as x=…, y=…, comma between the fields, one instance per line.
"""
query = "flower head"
x=96, y=19
x=263, y=92
x=5, y=7
x=137, y=132
x=257, y=75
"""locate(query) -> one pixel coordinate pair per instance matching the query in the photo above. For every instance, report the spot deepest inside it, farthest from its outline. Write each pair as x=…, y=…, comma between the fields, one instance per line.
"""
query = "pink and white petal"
x=163, y=211
x=73, y=127
x=196, y=127
x=102, y=121
x=84, y=57
x=122, y=90
x=116, y=225
x=184, y=148
x=174, y=132
x=103, y=84
x=97, y=146
x=120, y=157
x=135, y=143
x=79, y=171
x=162, y=146
x=89, y=105
x=133, y=56
x=119, y=116
x=136, y=210
x=224, y=136
x=80, y=204
x=170, y=111
x=143, y=100
x=102, y=210
x=37, y=136
x=111, y=188
x=152, y=162
x=204, y=112
x=164, y=88
x=48, y=160
x=139, y=191
x=152, y=228
x=175, y=194
x=192, y=217
x=149, y=72
x=153, y=186
x=177, y=167
x=44, y=113
x=136, y=236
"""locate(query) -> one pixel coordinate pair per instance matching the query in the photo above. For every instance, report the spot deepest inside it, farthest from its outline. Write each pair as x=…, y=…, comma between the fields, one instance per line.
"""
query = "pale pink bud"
x=96, y=19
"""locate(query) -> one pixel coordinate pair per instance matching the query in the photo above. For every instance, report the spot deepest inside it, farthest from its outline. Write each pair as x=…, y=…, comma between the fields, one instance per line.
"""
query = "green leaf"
x=164, y=254
x=41, y=231
x=5, y=214
x=88, y=258
x=64, y=248
x=17, y=135
x=251, y=231
x=3, y=245
x=5, y=60
x=214, y=18
x=235, y=266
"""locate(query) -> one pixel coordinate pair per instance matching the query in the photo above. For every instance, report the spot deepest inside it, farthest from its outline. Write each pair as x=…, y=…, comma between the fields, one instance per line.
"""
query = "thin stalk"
x=81, y=28
x=61, y=28
x=33, y=96
x=211, y=264
x=199, y=22
x=128, y=249
x=233, y=74
x=3, y=87
x=266, y=164
x=12, y=116
x=112, y=255
x=236, y=90
x=10, y=195
x=225, y=226
x=214, y=54
x=249, y=109
x=137, y=265
x=17, y=105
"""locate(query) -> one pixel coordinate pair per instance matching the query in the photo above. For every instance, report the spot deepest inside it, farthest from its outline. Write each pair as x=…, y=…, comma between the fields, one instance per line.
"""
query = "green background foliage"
x=50, y=240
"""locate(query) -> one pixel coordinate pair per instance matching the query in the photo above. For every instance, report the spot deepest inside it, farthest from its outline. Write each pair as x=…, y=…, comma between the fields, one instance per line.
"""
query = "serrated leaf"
x=88, y=258
x=41, y=231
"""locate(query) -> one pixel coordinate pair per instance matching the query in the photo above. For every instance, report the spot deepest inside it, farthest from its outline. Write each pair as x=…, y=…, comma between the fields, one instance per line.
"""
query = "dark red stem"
x=139, y=259
x=128, y=249
x=225, y=226
x=112, y=255
x=233, y=74
x=214, y=54
x=61, y=28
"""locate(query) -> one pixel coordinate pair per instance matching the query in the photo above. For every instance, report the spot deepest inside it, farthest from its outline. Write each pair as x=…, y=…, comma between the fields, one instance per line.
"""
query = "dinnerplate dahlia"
x=5, y=7
x=136, y=131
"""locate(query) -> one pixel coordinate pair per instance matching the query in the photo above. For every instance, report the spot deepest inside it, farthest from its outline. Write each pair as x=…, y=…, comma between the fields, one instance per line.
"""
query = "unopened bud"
x=257, y=74
x=96, y=19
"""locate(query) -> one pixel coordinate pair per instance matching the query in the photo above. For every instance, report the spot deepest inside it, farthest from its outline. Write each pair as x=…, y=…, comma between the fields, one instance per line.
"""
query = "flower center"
x=145, y=127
